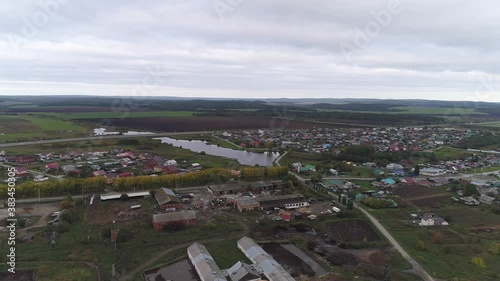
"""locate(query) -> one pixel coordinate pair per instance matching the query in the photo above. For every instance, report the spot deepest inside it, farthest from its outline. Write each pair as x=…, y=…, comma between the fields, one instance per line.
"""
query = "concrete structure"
x=204, y=263
x=263, y=261
x=166, y=199
x=185, y=218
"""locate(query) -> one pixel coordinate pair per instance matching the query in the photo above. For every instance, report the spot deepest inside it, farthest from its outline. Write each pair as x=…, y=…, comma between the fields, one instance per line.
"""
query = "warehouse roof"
x=165, y=195
x=204, y=263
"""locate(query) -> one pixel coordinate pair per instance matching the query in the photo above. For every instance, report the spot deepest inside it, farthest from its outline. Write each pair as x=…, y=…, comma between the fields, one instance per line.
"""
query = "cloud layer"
x=407, y=49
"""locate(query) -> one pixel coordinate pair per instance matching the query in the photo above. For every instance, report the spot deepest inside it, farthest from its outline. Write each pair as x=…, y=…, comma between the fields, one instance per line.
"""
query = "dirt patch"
x=18, y=276
x=352, y=230
x=106, y=212
x=290, y=262
x=341, y=258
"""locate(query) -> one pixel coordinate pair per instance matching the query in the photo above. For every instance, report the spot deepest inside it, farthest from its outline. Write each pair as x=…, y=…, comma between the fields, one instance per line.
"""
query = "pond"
x=243, y=157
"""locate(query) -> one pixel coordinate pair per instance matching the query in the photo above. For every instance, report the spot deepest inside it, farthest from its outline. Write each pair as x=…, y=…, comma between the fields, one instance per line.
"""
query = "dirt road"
x=417, y=268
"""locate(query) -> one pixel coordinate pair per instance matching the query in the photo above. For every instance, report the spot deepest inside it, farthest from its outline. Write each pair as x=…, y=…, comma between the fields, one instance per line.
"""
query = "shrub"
x=494, y=248
x=437, y=237
x=65, y=204
x=62, y=227
x=479, y=262
x=124, y=197
x=420, y=246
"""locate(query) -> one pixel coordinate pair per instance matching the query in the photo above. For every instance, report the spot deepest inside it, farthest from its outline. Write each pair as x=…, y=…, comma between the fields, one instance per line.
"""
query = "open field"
x=139, y=243
x=436, y=111
x=120, y=114
x=421, y=196
x=352, y=230
x=451, y=153
x=27, y=127
x=448, y=250
x=489, y=124
x=209, y=123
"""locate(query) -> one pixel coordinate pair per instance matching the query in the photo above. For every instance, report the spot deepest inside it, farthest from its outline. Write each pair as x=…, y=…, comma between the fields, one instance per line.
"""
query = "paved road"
x=418, y=269
x=101, y=138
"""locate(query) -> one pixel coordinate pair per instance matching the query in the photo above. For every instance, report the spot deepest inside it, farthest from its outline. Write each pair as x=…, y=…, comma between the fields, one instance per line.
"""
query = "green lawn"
x=490, y=124
x=450, y=153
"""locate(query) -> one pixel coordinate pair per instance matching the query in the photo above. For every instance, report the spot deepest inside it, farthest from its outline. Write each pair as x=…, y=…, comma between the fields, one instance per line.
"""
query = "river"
x=243, y=157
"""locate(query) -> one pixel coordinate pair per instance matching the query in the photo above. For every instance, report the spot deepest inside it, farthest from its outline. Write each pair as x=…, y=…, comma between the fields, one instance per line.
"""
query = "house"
x=184, y=218
x=204, y=264
x=389, y=181
x=470, y=201
x=51, y=166
x=430, y=219
x=124, y=162
x=124, y=175
x=99, y=173
x=68, y=168
x=21, y=172
x=487, y=199
x=308, y=168
x=394, y=166
x=377, y=172
x=167, y=199
x=432, y=172
x=26, y=159
x=408, y=181
x=127, y=154
x=110, y=177
x=170, y=169
x=39, y=178
x=171, y=162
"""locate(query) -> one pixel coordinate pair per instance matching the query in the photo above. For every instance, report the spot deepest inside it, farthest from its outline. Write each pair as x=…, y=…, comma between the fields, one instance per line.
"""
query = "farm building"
x=204, y=263
x=282, y=201
x=166, y=199
x=243, y=203
x=263, y=261
x=186, y=218
x=243, y=272
x=432, y=220
x=115, y=196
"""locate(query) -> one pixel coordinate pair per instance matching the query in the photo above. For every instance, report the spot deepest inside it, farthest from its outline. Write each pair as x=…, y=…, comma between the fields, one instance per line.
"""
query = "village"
x=322, y=199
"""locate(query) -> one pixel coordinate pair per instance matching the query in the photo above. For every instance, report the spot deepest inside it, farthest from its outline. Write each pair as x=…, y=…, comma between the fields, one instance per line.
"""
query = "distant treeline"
x=379, y=107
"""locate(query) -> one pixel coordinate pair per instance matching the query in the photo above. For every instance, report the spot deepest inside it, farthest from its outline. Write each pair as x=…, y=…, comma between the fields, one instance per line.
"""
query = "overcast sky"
x=406, y=49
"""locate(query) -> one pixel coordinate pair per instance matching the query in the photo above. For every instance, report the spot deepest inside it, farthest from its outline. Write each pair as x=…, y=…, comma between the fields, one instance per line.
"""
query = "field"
x=28, y=127
x=447, y=251
x=139, y=244
x=183, y=124
x=450, y=153
x=423, y=196
x=352, y=230
x=437, y=111
x=120, y=114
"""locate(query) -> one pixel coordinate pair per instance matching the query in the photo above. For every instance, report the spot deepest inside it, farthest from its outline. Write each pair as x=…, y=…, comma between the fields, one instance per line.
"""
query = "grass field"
x=31, y=127
x=490, y=124
x=450, y=153
x=84, y=243
x=64, y=271
x=98, y=115
x=436, y=111
x=449, y=256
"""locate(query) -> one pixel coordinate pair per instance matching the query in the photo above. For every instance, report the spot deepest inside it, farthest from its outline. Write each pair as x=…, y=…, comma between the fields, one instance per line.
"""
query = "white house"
x=432, y=172
x=432, y=220
x=171, y=162
x=394, y=166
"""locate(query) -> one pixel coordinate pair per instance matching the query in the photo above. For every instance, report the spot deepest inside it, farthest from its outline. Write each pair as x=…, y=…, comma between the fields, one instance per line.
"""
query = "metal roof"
x=271, y=269
x=118, y=195
x=174, y=216
x=165, y=195
x=204, y=263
